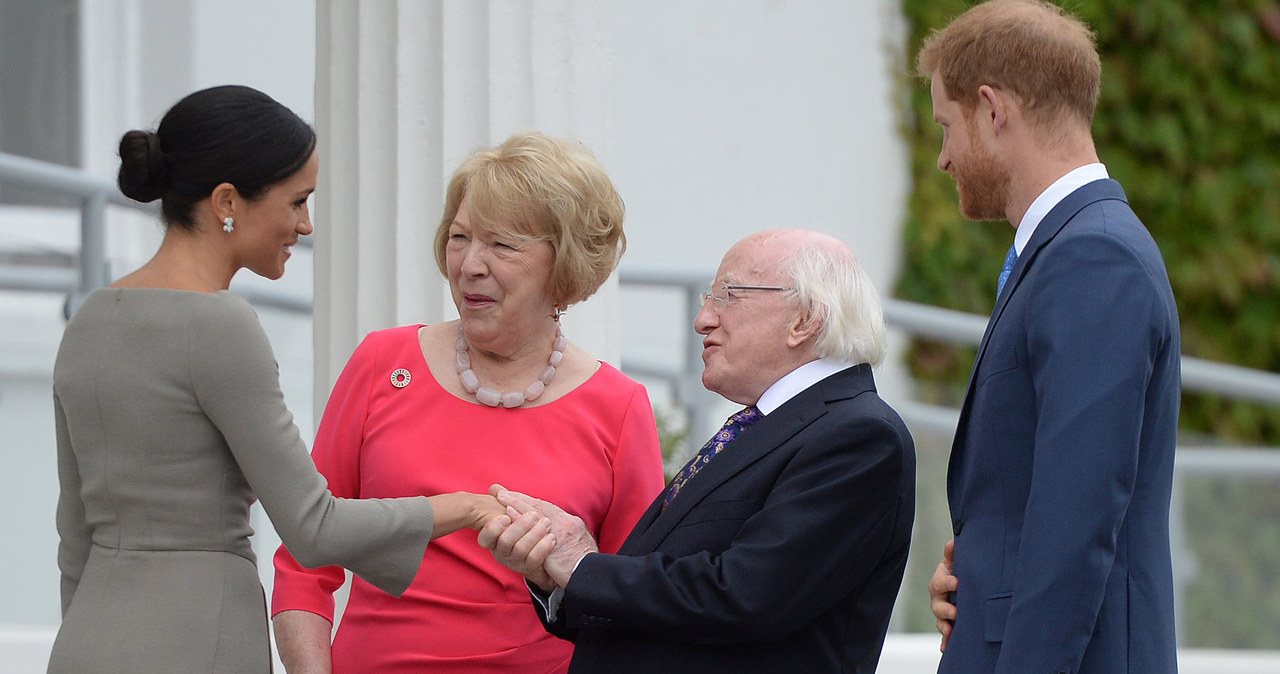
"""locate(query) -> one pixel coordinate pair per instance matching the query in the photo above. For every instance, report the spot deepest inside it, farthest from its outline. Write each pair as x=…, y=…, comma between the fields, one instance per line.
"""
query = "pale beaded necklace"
x=491, y=396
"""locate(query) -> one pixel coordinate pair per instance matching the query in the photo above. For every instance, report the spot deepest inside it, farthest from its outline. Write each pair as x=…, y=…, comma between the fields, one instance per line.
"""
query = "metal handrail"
x=918, y=319
x=63, y=179
x=924, y=320
x=959, y=327
x=1201, y=375
x=94, y=194
x=92, y=271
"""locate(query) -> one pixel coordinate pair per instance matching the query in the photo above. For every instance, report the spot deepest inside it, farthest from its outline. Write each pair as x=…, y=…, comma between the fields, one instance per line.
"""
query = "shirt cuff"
x=550, y=603
x=553, y=604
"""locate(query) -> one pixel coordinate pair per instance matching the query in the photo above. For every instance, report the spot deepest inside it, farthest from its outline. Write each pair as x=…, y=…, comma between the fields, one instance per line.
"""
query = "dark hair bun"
x=227, y=134
x=142, y=168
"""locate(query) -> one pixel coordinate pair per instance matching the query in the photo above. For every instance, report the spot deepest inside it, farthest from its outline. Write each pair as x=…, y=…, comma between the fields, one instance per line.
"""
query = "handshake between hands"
x=536, y=539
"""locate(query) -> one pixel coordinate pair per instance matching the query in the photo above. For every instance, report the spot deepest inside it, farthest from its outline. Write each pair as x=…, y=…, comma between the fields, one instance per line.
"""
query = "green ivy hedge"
x=1189, y=122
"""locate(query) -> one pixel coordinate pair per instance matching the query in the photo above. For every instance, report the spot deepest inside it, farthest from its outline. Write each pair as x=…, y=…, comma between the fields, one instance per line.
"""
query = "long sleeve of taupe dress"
x=170, y=421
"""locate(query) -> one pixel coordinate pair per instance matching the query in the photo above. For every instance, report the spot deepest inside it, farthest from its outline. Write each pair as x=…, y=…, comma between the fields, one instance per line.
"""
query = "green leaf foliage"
x=1188, y=121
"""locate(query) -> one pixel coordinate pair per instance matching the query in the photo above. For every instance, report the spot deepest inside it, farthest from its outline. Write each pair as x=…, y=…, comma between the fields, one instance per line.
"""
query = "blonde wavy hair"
x=534, y=187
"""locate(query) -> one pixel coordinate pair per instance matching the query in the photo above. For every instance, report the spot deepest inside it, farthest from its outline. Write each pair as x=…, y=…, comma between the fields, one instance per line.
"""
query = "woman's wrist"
x=462, y=510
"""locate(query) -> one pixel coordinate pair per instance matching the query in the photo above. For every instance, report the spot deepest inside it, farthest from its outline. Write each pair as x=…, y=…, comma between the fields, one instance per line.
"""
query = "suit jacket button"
x=957, y=527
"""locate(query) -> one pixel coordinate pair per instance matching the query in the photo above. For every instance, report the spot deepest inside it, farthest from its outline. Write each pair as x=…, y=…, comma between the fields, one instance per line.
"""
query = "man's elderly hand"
x=571, y=539
x=941, y=585
x=521, y=542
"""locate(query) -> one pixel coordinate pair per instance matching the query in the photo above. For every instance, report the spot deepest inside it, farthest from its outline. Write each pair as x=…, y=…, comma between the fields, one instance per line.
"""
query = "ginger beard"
x=982, y=182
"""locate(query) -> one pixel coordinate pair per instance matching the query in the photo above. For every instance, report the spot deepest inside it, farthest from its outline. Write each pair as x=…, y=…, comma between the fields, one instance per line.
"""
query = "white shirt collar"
x=798, y=380
x=1049, y=198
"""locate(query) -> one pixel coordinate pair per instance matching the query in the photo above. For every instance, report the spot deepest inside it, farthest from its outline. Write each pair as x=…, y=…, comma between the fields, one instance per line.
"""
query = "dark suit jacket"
x=1062, y=465
x=784, y=554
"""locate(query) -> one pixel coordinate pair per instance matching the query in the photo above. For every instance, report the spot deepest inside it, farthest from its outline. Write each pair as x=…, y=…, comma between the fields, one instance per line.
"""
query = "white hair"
x=834, y=289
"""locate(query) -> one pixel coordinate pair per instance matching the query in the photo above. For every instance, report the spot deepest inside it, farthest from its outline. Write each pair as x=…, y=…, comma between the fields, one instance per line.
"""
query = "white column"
x=407, y=89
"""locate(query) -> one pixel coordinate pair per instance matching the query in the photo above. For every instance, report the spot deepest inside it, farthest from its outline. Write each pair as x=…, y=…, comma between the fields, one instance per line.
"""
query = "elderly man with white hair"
x=781, y=546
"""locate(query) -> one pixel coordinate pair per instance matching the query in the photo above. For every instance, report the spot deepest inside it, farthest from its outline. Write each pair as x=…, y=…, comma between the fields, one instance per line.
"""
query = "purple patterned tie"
x=732, y=427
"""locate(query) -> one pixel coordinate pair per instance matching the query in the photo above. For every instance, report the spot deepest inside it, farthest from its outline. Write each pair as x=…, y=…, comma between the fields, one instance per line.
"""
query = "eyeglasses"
x=719, y=303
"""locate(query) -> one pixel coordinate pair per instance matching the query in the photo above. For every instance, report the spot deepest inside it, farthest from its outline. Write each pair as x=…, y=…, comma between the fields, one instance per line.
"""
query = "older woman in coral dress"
x=530, y=228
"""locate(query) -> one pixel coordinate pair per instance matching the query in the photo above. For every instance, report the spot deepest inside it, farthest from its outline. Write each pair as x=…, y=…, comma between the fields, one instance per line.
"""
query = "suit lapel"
x=639, y=533
x=754, y=444
x=1053, y=222
x=1046, y=231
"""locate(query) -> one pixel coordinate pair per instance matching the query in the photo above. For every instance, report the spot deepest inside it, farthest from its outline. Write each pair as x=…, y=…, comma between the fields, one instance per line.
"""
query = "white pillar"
x=407, y=89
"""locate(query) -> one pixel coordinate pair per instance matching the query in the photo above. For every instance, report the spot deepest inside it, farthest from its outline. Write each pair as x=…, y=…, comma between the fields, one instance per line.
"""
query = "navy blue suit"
x=1062, y=466
x=784, y=554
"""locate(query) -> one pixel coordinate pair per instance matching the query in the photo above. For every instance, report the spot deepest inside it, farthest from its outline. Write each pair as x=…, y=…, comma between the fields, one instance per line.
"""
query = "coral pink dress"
x=593, y=452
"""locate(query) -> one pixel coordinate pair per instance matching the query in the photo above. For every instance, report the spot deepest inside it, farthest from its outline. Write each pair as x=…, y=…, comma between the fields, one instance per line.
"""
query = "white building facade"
x=715, y=119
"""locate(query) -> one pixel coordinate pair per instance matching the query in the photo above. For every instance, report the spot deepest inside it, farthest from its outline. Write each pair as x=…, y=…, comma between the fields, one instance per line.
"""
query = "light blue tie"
x=1009, y=261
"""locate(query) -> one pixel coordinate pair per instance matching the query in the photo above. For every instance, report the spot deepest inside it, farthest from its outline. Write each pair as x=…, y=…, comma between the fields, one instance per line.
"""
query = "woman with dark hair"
x=170, y=419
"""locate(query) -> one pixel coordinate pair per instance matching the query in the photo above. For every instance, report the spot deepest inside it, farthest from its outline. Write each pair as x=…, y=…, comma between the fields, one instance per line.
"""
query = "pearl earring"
x=228, y=224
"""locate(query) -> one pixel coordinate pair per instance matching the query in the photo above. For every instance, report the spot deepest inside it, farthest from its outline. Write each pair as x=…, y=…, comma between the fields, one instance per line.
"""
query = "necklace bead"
x=492, y=397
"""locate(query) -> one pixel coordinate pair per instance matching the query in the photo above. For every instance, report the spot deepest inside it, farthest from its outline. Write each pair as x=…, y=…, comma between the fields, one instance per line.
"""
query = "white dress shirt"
x=801, y=378
x=786, y=388
x=1052, y=195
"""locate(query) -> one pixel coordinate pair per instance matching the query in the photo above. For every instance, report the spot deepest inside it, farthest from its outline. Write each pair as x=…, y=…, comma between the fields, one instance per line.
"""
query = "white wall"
x=735, y=117
x=28, y=464
x=731, y=117
x=739, y=116
x=141, y=57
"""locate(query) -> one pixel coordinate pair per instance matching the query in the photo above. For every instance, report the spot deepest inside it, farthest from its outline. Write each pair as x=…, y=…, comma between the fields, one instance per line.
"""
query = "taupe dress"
x=170, y=420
